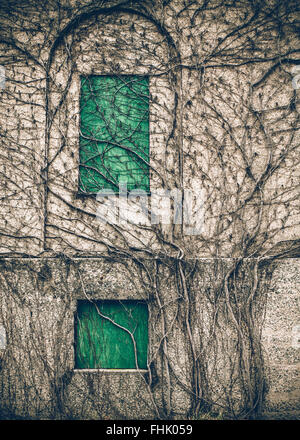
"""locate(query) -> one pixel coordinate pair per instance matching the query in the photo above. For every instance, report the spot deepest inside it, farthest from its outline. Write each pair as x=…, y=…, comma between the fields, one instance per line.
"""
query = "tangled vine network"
x=214, y=108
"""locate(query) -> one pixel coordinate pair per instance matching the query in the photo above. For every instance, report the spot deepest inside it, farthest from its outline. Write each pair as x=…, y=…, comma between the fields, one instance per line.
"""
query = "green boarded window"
x=111, y=334
x=114, y=133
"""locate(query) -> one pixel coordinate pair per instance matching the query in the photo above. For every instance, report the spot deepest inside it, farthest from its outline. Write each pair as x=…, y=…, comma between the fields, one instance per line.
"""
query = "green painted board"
x=101, y=343
x=114, y=133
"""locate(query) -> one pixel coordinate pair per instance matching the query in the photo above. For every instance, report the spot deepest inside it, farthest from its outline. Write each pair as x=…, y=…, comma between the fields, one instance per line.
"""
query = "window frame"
x=79, y=193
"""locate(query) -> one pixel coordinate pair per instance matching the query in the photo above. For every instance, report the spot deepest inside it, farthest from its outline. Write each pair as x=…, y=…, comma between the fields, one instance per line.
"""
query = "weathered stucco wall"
x=223, y=116
x=38, y=307
x=281, y=340
x=218, y=125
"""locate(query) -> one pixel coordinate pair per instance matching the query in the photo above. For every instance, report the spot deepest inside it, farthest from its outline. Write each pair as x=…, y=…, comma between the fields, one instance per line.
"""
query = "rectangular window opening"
x=114, y=133
x=111, y=334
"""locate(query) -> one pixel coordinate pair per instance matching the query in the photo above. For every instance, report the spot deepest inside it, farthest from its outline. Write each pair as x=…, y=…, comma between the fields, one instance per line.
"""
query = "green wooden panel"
x=114, y=140
x=101, y=343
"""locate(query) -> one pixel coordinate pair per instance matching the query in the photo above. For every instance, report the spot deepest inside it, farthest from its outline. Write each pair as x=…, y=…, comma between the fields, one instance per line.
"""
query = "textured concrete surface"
x=283, y=358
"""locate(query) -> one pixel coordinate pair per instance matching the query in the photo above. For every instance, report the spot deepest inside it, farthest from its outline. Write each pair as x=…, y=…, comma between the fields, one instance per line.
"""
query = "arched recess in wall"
x=112, y=42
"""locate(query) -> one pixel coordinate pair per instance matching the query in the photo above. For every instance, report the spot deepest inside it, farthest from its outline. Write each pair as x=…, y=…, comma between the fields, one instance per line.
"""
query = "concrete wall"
x=38, y=306
x=218, y=125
